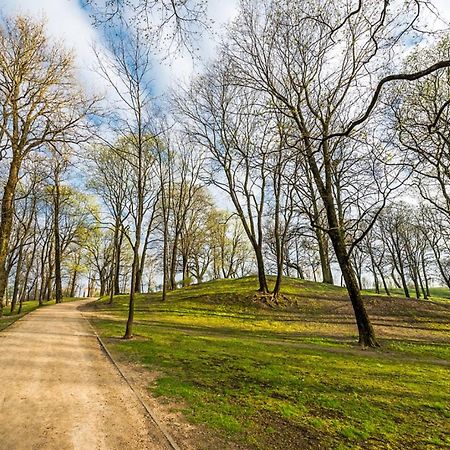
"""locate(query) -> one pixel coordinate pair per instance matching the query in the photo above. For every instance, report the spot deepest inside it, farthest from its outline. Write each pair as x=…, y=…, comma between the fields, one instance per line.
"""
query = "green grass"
x=27, y=307
x=291, y=377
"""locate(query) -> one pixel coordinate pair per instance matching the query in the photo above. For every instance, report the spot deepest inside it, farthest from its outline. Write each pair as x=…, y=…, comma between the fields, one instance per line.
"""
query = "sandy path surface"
x=59, y=391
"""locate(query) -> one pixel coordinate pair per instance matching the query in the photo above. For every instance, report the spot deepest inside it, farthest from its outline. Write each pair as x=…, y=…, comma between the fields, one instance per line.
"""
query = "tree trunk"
x=102, y=285
x=17, y=278
x=394, y=279
x=383, y=279
x=401, y=271
x=324, y=255
x=164, y=256
x=117, y=264
x=365, y=329
x=6, y=220
x=185, y=270
x=422, y=286
x=416, y=284
x=134, y=269
x=58, y=280
x=277, y=287
x=73, y=283
x=173, y=264
x=138, y=284
x=263, y=287
x=404, y=284
x=425, y=277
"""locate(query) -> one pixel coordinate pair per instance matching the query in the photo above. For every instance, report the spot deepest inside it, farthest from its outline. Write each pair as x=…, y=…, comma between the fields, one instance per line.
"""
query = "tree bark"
x=57, y=237
x=117, y=264
x=17, y=278
x=324, y=255
x=365, y=329
x=263, y=287
x=6, y=220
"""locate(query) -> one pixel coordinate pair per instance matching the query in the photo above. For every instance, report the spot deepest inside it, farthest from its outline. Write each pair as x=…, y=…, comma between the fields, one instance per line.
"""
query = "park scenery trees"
x=295, y=189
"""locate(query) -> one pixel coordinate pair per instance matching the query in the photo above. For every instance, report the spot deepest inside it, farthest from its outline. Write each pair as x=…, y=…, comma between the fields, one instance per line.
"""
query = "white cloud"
x=443, y=8
x=68, y=23
x=180, y=68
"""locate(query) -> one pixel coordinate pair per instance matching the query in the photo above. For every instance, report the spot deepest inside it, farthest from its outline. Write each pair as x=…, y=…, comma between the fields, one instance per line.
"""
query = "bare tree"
x=127, y=70
x=422, y=118
x=229, y=122
x=324, y=66
x=173, y=24
x=40, y=103
x=109, y=179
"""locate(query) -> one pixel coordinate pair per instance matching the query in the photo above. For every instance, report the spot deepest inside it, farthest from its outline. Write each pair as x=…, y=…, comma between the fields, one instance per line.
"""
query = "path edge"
x=167, y=435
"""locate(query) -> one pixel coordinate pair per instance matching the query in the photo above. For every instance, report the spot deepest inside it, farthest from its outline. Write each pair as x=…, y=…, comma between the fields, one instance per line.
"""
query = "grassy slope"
x=292, y=377
x=27, y=307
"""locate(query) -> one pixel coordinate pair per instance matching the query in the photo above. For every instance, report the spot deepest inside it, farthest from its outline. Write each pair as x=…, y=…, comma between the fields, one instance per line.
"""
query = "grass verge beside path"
x=291, y=377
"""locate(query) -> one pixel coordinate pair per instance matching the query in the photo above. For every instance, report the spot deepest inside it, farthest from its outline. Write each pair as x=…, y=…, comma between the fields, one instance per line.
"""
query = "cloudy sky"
x=67, y=20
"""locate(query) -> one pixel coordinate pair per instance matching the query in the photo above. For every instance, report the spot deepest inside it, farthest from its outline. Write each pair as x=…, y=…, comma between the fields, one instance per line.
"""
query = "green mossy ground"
x=291, y=376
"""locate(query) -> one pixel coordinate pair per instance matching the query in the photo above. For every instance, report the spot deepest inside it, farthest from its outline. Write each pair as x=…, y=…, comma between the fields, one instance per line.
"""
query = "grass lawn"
x=27, y=307
x=291, y=377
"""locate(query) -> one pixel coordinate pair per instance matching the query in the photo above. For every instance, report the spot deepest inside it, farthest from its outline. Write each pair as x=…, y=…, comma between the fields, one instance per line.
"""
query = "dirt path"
x=59, y=391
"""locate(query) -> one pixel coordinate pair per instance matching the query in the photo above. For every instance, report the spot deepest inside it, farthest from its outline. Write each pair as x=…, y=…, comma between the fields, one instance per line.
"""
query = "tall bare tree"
x=40, y=103
x=127, y=70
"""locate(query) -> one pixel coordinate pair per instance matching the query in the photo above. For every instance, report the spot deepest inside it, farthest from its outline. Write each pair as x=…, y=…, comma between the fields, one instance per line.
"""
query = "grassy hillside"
x=290, y=377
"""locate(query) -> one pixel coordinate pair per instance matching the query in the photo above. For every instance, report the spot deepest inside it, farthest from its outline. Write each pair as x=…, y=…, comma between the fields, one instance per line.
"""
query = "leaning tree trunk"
x=365, y=329
x=401, y=271
x=383, y=279
x=425, y=277
x=73, y=283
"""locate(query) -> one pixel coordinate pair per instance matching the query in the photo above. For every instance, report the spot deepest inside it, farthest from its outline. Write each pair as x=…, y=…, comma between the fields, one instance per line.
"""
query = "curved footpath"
x=58, y=390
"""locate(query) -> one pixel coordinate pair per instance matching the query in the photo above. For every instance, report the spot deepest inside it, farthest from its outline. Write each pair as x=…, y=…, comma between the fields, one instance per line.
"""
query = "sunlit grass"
x=289, y=377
